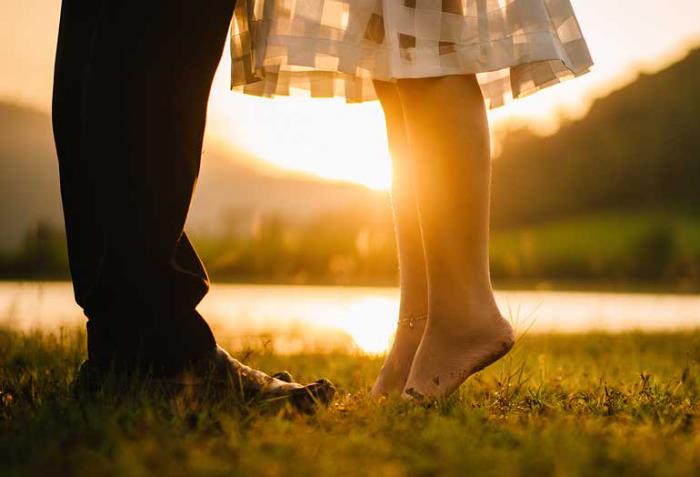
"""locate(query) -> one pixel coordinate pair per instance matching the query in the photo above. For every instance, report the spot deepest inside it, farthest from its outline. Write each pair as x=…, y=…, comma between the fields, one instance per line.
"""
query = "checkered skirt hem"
x=330, y=48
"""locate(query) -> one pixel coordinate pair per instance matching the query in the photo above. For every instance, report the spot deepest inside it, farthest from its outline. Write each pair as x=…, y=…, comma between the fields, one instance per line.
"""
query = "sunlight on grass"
x=592, y=404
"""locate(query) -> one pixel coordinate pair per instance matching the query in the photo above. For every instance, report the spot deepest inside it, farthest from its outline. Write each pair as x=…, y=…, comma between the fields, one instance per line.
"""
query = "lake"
x=304, y=317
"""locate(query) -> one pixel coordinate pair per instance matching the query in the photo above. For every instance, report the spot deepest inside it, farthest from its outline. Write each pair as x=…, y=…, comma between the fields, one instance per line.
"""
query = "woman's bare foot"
x=397, y=364
x=453, y=350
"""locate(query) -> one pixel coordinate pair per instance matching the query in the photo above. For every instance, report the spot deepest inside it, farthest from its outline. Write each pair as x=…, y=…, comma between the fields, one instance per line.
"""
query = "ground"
x=567, y=405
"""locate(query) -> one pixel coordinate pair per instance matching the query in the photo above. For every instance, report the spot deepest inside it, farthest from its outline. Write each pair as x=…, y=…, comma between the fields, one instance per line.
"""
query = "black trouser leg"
x=77, y=26
x=131, y=87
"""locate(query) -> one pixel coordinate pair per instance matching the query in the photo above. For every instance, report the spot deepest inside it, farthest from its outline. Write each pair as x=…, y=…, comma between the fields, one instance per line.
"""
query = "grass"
x=566, y=405
x=658, y=247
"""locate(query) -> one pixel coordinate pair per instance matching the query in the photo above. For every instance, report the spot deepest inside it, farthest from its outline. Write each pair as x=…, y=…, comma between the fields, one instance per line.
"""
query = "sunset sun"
x=324, y=137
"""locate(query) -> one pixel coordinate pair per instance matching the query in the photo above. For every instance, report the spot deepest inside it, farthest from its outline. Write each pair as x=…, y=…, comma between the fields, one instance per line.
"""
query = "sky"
x=333, y=140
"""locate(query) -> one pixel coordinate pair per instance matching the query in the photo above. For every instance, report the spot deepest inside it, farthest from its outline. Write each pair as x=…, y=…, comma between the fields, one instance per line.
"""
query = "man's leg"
x=127, y=179
x=77, y=26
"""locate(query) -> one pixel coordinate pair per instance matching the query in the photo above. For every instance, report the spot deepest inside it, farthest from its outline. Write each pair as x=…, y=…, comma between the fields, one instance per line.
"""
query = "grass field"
x=659, y=247
x=558, y=405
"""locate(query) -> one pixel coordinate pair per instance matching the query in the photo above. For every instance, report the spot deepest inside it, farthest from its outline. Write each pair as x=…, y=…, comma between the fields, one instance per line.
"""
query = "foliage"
x=635, y=149
x=41, y=255
x=655, y=247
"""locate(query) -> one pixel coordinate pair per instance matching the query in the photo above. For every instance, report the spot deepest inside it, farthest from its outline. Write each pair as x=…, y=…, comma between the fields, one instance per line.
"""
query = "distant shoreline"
x=510, y=285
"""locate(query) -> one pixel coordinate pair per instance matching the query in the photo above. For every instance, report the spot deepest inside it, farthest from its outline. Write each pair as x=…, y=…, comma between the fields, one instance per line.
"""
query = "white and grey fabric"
x=337, y=47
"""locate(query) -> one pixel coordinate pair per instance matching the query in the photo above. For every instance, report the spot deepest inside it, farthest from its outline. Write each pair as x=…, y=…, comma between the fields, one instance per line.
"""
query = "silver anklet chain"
x=411, y=320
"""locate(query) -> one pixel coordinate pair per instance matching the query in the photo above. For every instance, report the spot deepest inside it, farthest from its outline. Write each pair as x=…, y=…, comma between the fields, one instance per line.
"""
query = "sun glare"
x=338, y=142
x=323, y=137
x=335, y=141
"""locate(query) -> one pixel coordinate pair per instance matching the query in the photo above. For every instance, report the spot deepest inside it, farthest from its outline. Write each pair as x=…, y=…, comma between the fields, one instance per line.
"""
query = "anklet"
x=411, y=320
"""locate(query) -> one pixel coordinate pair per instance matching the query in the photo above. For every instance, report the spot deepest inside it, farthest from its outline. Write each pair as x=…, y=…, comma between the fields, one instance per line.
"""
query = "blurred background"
x=595, y=181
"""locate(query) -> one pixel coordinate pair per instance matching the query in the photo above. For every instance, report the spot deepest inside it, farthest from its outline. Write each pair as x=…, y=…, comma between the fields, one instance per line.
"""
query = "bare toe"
x=397, y=363
x=444, y=360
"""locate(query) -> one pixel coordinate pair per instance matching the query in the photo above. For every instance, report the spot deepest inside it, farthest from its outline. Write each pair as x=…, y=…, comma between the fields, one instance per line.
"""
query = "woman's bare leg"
x=449, y=141
x=413, y=280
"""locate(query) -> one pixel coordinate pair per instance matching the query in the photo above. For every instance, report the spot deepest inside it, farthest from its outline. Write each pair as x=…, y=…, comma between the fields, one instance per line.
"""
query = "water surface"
x=297, y=317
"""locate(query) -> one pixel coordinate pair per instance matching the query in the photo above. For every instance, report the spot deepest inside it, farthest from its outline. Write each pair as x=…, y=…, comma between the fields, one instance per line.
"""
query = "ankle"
x=411, y=304
x=412, y=323
x=466, y=318
x=464, y=306
x=413, y=311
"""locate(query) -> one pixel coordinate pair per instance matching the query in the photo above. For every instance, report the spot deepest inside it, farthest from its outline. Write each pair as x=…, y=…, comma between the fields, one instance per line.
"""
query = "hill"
x=230, y=184
x=636, y=148
x=28, y=173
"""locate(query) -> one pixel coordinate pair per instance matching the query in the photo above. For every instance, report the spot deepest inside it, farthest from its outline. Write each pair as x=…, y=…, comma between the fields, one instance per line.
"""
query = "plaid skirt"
x=337, y=47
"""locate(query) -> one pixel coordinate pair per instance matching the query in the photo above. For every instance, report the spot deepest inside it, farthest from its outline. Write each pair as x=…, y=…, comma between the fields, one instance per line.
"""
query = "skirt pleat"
x=330, y=48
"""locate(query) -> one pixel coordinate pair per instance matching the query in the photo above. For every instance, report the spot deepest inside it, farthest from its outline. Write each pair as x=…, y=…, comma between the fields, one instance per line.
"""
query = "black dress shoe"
x=223, y=375
x=222, y=371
